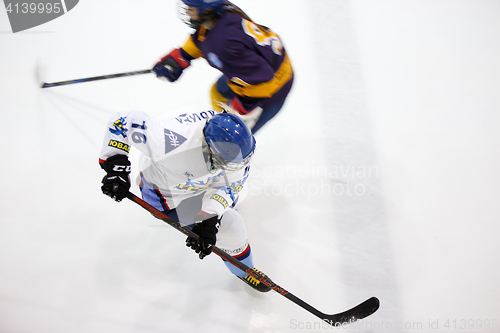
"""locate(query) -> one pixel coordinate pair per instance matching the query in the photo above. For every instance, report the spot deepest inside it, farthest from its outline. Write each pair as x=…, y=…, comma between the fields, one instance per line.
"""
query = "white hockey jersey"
x=174, y=160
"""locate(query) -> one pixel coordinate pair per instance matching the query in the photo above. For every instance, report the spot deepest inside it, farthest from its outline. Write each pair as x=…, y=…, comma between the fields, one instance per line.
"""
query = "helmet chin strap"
x=211, y=159
x=208, y=155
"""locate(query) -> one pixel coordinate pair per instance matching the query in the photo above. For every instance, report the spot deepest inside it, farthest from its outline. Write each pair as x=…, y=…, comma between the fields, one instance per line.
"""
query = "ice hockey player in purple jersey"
x=194, y=168
x=257, y=73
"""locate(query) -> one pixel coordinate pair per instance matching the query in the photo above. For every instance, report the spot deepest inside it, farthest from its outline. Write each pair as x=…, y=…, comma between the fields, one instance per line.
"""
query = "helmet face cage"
x=220, y=162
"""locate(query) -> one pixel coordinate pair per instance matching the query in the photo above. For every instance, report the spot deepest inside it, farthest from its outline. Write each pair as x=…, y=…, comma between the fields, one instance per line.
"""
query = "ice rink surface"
x=380, y=176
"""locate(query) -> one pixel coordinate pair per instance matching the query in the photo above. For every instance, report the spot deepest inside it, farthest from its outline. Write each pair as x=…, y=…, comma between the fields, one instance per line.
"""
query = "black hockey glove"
x=207, y=230
x=116, y=183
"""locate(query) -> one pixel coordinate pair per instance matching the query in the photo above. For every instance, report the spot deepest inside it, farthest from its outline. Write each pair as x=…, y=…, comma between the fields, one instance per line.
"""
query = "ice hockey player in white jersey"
x=192, y=167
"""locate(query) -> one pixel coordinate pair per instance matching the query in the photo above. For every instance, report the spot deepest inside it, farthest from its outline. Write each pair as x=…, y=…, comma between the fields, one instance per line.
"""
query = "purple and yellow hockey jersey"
x=254, y=62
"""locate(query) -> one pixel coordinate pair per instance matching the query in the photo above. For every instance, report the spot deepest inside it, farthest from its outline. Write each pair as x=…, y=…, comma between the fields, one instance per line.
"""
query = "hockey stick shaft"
x=95, y=78
x=362, y=310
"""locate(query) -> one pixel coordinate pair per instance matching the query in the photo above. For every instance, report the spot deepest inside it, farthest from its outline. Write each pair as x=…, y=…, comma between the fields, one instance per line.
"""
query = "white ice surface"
x=380, y=177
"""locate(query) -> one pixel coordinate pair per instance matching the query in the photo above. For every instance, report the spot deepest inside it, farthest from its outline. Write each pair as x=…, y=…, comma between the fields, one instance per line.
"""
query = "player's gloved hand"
x=116, y=183
x=170, y=67
x=207, y=230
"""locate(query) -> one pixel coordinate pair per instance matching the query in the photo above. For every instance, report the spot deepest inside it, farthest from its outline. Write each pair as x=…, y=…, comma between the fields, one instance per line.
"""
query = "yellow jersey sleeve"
x=191, y=48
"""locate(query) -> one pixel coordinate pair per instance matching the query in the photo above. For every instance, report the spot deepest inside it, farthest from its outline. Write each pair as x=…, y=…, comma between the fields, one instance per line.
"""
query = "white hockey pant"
x=232, y=239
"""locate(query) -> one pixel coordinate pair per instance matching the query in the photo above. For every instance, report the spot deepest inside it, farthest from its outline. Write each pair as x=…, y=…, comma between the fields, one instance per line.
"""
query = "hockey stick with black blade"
x=360, y=311
x=95, y=78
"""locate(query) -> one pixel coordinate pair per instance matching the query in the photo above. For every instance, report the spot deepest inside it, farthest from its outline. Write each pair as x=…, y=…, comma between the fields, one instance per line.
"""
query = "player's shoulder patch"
x=172, y=140
x=220, y=199
x=119, y=127
x=119, y=145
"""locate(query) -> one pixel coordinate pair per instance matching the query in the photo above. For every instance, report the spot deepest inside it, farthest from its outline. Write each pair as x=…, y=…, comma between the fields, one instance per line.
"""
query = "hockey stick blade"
x=358, y=312
x=95, y=78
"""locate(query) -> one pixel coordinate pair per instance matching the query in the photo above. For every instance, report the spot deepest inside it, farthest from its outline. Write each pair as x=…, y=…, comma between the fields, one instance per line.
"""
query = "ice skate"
x=254, y=283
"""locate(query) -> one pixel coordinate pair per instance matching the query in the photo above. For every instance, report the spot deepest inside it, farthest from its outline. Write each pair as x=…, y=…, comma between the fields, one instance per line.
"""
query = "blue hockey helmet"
x=231, y=143
x=208, y=10
x=203, y=5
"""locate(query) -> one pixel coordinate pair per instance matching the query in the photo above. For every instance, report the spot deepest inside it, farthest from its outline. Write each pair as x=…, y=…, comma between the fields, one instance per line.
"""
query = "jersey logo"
x=194, y=117
x=220, y=200
x=235, y=188
x=119, y=128
x=119, y=145
x=172, y=140
x=198, y=186
x=213, y=59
